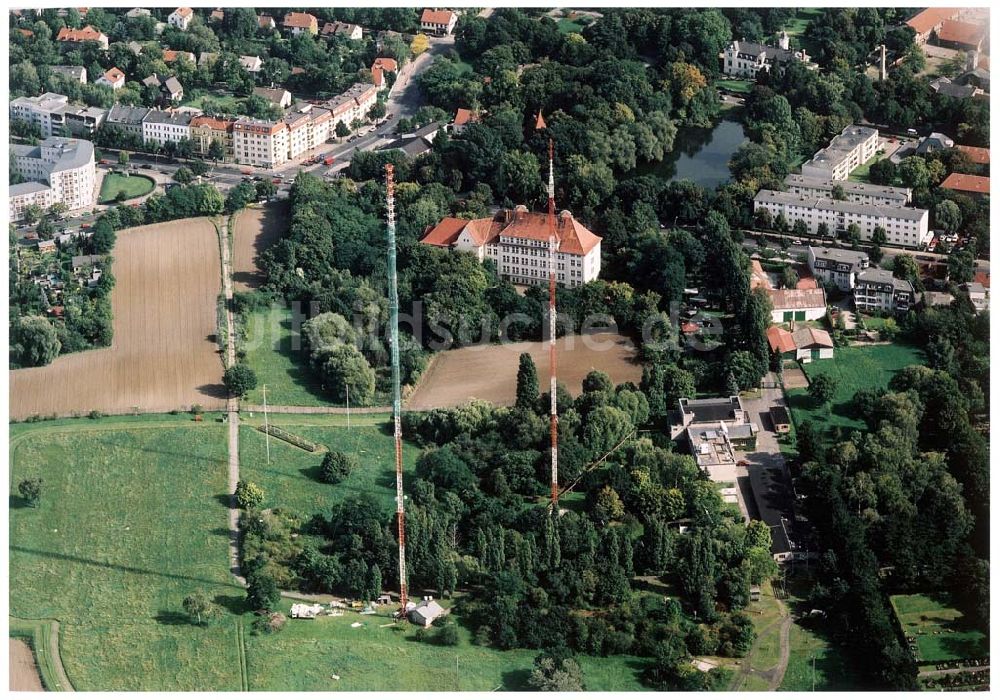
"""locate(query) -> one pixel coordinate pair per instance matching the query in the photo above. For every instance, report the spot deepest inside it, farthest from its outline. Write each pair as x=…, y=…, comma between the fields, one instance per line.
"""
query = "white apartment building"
x=353, y=104
x=61, y=170
x=308, y=127
x=261, y=143
x=45, y=111
x=745, y=59
x=854, y=146
x=838, y=266
x=904, y=226
x=859, y=192
x=877, y=290
x=518, y=242
x=181, y=18
x=159, y=127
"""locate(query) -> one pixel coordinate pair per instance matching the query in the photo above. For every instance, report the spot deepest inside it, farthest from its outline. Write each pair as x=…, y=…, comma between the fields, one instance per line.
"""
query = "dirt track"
x=490, y=372
x=164, y=354
x=23, y=672
x=253, y=231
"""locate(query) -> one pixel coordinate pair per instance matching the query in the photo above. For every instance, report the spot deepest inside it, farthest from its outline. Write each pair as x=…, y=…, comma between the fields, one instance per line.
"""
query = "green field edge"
x=39, y=635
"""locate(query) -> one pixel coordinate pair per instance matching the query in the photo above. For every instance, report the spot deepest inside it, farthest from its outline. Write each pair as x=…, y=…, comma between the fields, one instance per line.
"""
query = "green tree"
x=216, y=150
x=788, y=277
x=248, y=494
x=947, y=216
x=606, y=427
x=961, y=267
x=556, y=675
x=527, y=383
x=822, y=389
x=34, y=341
x=184, y=175
x=199, y=606
x=262, y=590
x=337, y=466
x=608, y=506
x=30, y=490
x=838, y=193
x=240, y=379
x=123, y=158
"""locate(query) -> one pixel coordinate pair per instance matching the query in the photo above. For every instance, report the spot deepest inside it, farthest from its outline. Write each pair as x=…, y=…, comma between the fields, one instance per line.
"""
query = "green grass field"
x=568, y=26
x=291, y=480
x=276, y=354
x=797, y=26
x=130, y=522
x=860, y=173
x=853, y=368
x=941, y=631
x=228, y=104
x=740, y=86
x=133, y=186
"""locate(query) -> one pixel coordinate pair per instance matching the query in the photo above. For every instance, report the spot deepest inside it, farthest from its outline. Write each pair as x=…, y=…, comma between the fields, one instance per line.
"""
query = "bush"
x=336, y=467
x=30, y=490
x=270, y=623
x=447, y=636
x=249, y=494
x=95, y=414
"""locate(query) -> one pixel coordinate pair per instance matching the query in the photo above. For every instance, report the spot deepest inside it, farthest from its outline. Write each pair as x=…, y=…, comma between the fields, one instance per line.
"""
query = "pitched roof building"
x=440, y=22
x=975, y=185
x=979, y=156
x=67, y=36
x=299, y=22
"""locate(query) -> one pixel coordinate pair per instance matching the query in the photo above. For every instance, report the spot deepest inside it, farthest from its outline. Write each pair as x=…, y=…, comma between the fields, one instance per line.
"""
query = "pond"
x=700, y=155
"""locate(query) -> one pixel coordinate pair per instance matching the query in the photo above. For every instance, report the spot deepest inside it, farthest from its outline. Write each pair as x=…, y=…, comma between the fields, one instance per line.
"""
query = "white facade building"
x=45, y=111
x=904, y=226
x=181, y=18
x=878, y=290
x=745, y=59
x=260, y=142
x=854, y=146
x=353, y=104
x=159, y=127
x=440, y=22
x=859, y=192
x=518, y=242
x=838, y=266
x=61, y=170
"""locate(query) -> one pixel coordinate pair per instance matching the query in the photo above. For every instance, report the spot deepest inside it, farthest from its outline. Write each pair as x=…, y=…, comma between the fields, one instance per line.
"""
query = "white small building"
x=302, y=611
x=114, y=78
x=438, y=22
x=181, y=18
x=979, y=295
x=797, y=304
x=251, y=64
x=426, y=612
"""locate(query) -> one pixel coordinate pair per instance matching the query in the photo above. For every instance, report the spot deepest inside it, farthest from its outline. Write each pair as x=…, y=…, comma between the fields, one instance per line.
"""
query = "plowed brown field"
x=164, y=355
x=23, y=672
x=255, y=230
x=490, y=371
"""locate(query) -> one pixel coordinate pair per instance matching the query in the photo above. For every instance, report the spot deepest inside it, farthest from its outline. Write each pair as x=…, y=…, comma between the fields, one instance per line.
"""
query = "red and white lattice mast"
x=553, y=402
x=397, y=430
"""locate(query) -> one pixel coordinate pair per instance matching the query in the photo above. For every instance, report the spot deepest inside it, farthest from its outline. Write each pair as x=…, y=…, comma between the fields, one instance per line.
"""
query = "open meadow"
x=489, y=372
x=942, y=633
x=852, y=368
x=132, y=519
x=164, y=355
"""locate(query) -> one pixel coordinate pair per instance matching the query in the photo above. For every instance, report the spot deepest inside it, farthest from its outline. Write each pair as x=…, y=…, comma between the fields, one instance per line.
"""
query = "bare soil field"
x=164, y=355
x=23, y=672
x=253, y=231
x=490, y=371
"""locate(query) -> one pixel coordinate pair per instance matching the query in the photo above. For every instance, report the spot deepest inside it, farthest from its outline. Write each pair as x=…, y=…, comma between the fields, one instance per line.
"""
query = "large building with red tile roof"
x=440, y=22
x=517, y=240
x=928, y=21
x=979, y=156
x=975, y=185
x=961, y=35
x=67, y=36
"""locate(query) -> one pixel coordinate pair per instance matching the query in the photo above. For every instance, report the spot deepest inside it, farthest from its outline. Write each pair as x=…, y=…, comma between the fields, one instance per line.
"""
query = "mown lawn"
x=741, y=86
x=568, y=26
x=133, y=186
x=941, y=631
x=292, y=478
x=305, y=655
x=131, y=520
x=275, y=350
x=852, y=368
x=797, y=26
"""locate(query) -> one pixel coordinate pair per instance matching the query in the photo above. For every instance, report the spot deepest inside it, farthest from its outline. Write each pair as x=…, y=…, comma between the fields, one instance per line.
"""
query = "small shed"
x=426, y=612
x=384, y=599
x=780, y=419
x=754, y=593
x=306, y=612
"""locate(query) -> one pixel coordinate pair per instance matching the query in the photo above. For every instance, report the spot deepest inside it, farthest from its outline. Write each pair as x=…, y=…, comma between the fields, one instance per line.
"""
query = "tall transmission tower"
x=553, y=403
x=397, y=431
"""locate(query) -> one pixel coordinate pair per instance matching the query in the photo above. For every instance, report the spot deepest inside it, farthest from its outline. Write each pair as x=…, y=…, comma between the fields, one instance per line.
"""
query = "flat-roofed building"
x=260, y=142
x=860, y=192
x=853, y=147
x=714, y=429
x=904, y=226
x=64, y=166
x=45, y=112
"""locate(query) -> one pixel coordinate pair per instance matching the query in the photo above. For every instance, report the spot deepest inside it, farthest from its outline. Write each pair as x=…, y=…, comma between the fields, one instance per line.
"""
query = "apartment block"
x=60, y=170
x=854, y=146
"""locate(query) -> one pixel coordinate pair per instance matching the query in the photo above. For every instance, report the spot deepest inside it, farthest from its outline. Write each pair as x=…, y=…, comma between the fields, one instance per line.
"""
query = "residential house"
x=181, y=18
x=58, y=170
x=114, y=78
x=979, y=295
x=160, y=127
x=206, y=129
x=73, y=38
x=438, y=22
x=46, y=246
x=426, y=612
x=879, y=290
x=745, y=59
x=128, y=119
x=75, y=73
x=971, y=185
x=217, y=16
x=169, y=56
x=171, y=90
x=978, y=156
x=296, y=23
x=252, y=64
x=136, y=12
x=380, y=67
x=934, y=142
x=853, y=147
x=266, y=22
x=135, y=47
x=463, y=117
x=714, y=429
x=276, y=96
x=353, y=105
x=344, y=29
x=416, y=143
x=836, y=265
x=904, y=226
x=797, y=304
x=517, y=241
x=53, y=115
